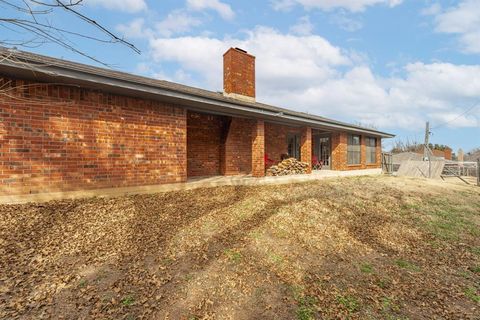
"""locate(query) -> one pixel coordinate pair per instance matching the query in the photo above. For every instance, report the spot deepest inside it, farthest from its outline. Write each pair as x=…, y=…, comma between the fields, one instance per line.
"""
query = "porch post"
x=306, y=147
x=258, y=149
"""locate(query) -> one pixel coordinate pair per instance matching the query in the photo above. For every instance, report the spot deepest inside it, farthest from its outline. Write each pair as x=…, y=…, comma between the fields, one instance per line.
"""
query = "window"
x=371, y=144
x=293, y=142
x=353, y=149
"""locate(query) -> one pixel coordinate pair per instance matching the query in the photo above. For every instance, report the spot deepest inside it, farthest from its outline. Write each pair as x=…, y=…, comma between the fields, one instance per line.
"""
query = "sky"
x=388, y=64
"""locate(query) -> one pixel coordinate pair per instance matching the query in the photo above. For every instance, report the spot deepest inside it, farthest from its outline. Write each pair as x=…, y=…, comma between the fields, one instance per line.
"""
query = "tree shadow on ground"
x=130, y=270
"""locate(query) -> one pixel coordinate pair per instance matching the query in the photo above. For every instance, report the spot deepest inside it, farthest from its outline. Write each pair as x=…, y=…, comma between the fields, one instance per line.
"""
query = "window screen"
x=371, y=144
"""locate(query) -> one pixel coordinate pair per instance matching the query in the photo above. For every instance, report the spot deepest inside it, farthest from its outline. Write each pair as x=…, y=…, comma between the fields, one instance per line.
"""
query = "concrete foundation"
x=193, y=183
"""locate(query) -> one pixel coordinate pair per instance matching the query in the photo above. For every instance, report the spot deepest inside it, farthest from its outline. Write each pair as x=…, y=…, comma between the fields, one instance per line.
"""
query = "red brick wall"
x=238, y=147
x=203, y=144
x=447, y=154
x=339, y=153
x=276, y=140
x=59, y=138
x=239, y=73
x=258, y=149
x=306, y=147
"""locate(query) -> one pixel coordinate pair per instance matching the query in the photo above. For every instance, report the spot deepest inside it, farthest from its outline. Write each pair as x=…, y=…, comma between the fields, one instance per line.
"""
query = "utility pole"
x=478, y=172
x=427, y=140
x=426, y=153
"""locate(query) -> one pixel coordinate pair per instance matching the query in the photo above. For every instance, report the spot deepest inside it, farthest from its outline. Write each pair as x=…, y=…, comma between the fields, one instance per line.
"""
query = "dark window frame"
x=296, y=151
x=354, y=150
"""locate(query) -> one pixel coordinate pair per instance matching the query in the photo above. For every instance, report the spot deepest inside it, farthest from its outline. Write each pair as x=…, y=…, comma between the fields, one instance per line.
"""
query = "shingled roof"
x=27, y=65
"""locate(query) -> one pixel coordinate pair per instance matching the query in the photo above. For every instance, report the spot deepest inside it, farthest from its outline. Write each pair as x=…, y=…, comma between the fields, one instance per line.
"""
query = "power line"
x=476, y=104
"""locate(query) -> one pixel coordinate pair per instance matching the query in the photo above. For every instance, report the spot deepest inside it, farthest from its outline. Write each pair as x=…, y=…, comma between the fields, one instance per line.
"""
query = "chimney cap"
x=239, y=50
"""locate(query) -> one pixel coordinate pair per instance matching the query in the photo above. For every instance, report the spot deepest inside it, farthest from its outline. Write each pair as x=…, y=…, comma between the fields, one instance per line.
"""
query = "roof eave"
x=79, y=77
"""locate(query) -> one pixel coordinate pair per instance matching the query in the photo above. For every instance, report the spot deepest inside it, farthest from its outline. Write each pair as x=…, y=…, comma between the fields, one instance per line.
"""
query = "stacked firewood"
x=287, y=167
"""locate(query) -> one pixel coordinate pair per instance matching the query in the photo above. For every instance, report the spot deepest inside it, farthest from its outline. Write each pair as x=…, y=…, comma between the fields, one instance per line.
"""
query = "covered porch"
x=220, y=145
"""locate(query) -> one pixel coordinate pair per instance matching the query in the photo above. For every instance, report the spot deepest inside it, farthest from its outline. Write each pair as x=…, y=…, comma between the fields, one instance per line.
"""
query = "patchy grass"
x=366, y=268
x=476, y=269
x=475, y=250
x=349, y=302
x=384, y=283
x=306, y=308
x=306, y=305
x=234, y=255
x=389, y=305
x=407, y=265
x=128, y=301
x=472, y=294
x=82, y=283
x=353, y=248
x=275, y=258
x=451, y=220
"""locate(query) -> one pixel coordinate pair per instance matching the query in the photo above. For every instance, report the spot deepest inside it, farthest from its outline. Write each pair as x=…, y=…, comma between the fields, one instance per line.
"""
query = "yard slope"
x=357, y=248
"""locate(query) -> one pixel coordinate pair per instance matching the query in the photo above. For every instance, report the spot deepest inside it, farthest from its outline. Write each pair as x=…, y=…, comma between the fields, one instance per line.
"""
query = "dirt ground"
x=350, y=248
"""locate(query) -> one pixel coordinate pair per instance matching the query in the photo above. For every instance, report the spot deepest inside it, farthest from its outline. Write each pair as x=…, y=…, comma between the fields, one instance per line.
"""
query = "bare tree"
x=32, y=24
x=406, y=146
x=367, y=125
x=473, y=155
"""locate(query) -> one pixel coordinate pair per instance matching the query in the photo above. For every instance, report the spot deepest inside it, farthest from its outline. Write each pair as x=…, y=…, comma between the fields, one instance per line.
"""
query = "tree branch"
x=25, y=20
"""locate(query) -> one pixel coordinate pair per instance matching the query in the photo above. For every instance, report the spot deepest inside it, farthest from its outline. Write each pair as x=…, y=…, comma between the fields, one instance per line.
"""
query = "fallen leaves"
x=356, y=248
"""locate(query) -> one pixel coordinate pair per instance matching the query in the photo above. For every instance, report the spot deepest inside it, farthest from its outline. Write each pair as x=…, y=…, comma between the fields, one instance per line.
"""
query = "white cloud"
x=223, y=9
x=308, y=73
x=177, y=22
x=345, y=22
x=302, y=58
x=135, y=29
x=433, y=9
x=350, y=5
x=463, y=20
x=195, y=54
x=303, y=27
x=456, y=119
x=130, y=6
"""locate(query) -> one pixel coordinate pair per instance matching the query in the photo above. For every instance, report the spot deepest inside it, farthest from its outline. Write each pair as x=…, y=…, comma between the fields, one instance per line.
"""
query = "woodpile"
x=287, y=167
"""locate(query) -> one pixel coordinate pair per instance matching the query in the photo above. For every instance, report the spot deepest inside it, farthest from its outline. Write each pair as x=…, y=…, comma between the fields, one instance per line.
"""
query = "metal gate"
x=387, y=163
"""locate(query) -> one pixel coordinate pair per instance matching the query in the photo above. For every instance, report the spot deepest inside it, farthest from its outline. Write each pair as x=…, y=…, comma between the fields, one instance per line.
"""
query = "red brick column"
x=258, y=149
x=339, y=151
x=306, y=147
x=379, y=153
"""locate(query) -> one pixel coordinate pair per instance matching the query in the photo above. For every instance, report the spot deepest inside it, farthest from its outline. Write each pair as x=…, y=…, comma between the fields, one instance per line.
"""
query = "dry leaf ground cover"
x=352, y=248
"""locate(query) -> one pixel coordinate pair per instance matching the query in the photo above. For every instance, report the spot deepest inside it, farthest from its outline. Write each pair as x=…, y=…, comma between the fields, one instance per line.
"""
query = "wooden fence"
x=421, y=169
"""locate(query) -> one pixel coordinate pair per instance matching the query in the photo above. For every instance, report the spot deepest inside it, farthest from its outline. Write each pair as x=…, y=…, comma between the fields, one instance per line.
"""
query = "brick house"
x=67, y=126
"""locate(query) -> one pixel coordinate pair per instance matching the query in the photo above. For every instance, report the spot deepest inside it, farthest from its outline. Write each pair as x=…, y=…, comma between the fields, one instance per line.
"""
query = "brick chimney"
x=239, y=75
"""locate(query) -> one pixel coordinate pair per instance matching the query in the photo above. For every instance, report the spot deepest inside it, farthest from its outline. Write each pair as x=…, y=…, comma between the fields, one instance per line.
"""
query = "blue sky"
x=392, y=64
